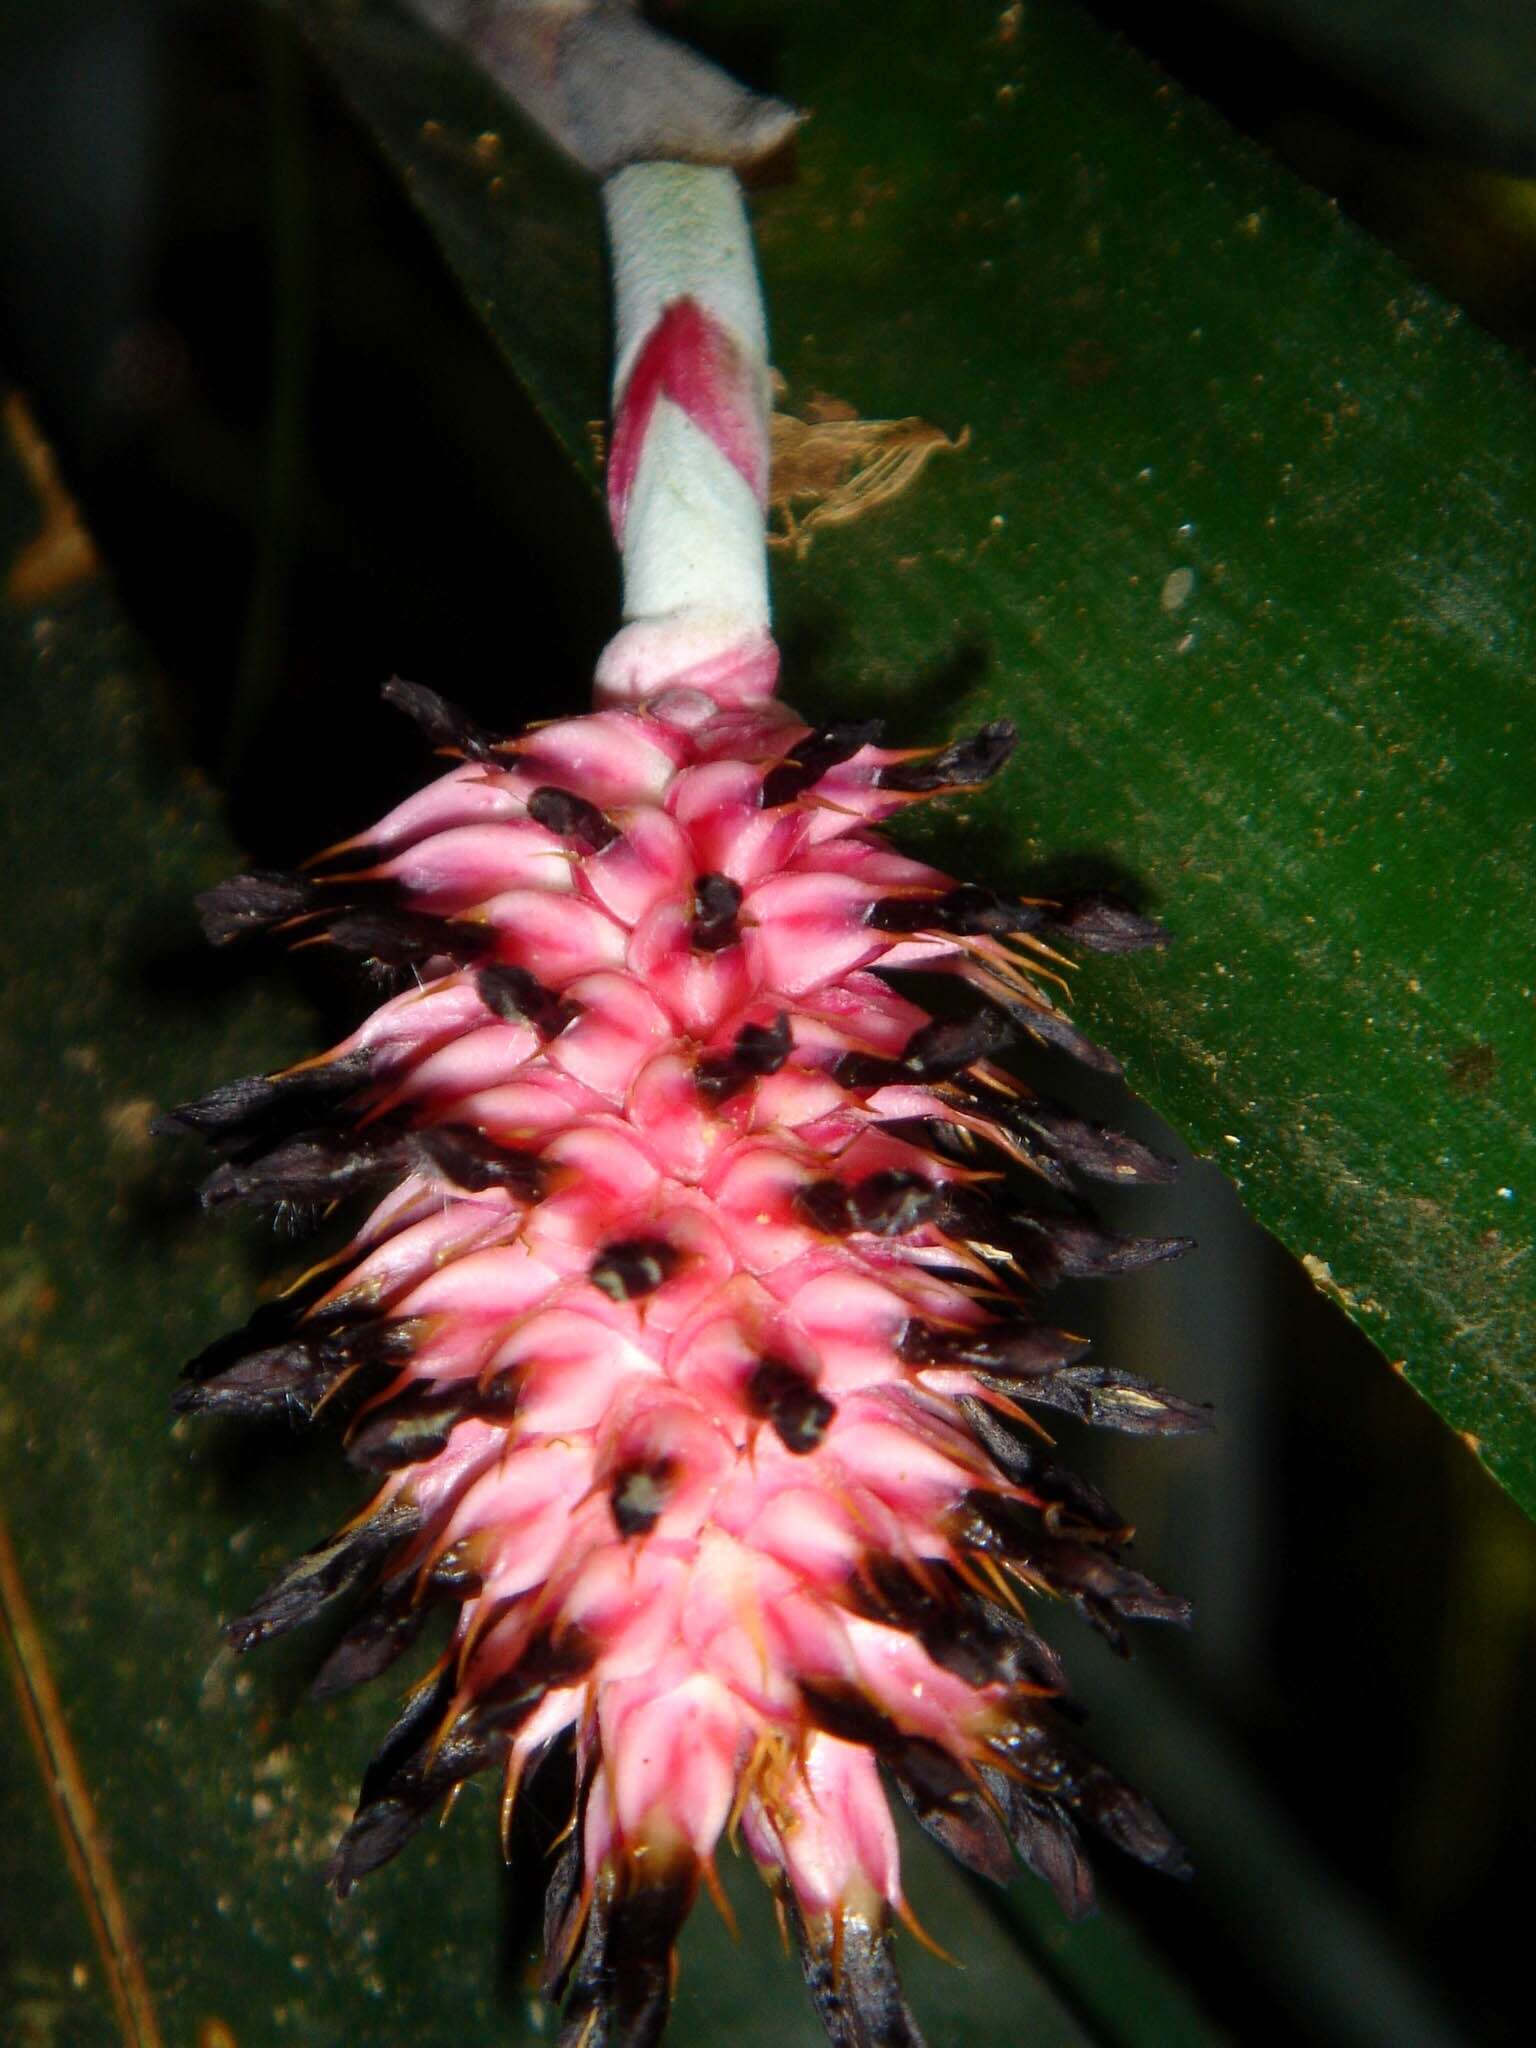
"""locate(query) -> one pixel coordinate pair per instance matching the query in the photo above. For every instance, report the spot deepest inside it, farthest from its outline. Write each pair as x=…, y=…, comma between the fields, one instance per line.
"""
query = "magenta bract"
x=694, y=1336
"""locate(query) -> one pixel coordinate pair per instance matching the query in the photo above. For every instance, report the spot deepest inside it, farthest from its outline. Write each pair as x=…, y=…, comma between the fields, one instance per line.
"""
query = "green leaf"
x=1243, y=539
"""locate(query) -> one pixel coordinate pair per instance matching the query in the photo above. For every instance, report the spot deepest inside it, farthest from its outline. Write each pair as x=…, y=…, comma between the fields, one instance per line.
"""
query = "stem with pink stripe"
x=688, y=465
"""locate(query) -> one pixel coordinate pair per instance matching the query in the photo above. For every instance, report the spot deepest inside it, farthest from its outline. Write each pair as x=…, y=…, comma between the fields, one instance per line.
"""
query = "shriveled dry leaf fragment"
x=610, y=89
x=831, y=466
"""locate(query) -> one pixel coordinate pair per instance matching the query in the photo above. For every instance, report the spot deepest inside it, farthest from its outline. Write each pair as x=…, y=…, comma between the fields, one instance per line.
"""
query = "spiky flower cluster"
x=695, y=1336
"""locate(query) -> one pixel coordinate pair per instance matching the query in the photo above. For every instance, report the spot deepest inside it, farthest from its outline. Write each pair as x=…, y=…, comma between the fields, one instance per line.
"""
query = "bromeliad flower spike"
x=695, y=1340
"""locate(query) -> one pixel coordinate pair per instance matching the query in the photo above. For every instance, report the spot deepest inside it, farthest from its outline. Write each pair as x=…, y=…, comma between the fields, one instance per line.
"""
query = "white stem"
x=694, y=555
x=680, y=231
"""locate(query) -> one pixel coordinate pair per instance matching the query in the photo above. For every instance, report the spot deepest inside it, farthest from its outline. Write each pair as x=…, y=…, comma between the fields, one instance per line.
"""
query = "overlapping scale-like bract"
x=694, y=1339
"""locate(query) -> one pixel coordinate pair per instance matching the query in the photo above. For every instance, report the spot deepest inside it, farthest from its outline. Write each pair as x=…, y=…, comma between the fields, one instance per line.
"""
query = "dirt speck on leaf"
x=1470, y=1069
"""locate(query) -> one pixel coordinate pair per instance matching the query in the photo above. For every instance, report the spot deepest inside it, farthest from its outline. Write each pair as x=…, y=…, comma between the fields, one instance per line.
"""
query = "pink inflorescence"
x=693, y=1338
